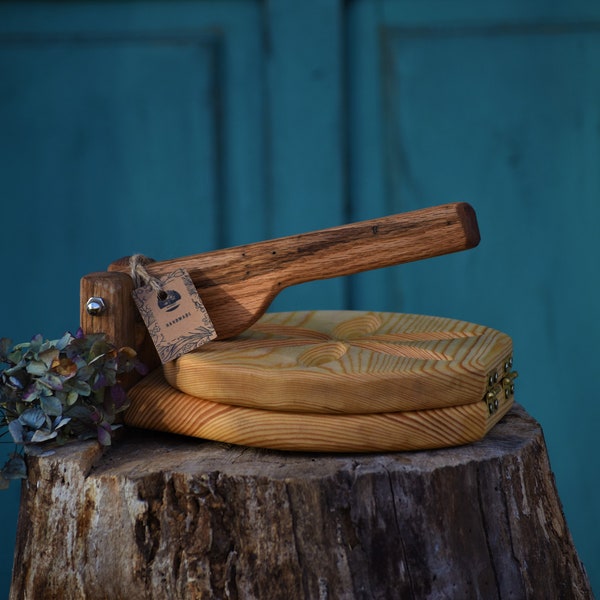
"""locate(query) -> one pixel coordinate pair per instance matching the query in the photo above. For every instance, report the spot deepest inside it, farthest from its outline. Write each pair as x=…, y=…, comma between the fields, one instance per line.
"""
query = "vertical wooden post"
x=120, y=319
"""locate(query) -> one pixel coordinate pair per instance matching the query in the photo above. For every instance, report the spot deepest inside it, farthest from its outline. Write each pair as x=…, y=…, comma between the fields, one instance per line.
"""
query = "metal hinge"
x=501, y=385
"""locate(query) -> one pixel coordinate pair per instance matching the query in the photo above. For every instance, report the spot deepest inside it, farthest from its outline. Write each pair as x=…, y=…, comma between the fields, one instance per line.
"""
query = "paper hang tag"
x=175, y=316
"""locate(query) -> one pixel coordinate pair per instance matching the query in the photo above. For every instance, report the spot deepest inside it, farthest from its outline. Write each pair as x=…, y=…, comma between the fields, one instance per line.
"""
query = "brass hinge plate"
x=500, y=385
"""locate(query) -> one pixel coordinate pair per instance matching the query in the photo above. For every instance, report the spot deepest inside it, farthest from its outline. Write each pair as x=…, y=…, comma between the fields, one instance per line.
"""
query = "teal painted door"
x=171, y=128
x=500, y=106
x=167, y=128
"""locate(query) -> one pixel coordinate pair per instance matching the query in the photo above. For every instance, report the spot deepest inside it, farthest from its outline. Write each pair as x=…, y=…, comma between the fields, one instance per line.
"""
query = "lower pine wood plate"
x=158, y=406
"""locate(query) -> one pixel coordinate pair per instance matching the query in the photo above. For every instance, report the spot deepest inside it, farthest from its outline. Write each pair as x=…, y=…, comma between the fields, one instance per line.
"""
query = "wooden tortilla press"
x=326, y=381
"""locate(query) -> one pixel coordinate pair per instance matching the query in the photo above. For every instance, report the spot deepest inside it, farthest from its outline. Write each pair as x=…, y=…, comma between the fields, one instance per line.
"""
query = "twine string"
x=139, y=274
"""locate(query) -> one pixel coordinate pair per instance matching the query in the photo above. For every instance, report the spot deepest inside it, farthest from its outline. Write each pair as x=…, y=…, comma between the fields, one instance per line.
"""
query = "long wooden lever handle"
x=238, y=284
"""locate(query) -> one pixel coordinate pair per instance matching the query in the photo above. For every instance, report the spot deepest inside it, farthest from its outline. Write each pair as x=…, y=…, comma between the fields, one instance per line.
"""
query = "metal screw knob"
x=95, y=306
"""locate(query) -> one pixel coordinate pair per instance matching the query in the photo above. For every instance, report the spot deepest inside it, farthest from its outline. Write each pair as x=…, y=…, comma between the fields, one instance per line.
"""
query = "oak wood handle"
x=238, y=284
x=376, y=243
x=334, y=252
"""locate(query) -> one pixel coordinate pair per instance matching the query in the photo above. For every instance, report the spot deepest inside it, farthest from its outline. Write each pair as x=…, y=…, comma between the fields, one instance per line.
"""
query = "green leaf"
x=105, y=434
x=15, y=429
x=99, y=349
x=48, y=356
x=85, y=372
x=17, y=379
x=52, y=380
x=34, y=418
x=36, y=343
x=64, y=341
x=79, y=412
x=43, y=435
x=37, y=368
x=71, y=398
x=32, y=393
x=51, y=406
x=81, y=387
x=17, y=368
x=61, y=422
x=23, y=347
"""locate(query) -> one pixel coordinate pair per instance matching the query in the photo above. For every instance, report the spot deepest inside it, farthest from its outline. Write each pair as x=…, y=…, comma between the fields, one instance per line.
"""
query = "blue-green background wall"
x=172, y=128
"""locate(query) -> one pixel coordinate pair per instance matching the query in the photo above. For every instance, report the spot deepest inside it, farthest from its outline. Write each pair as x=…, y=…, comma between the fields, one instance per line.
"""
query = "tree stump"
x=165, y=517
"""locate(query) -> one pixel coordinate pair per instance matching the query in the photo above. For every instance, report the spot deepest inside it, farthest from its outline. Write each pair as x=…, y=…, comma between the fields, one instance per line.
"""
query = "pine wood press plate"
x=336, y=381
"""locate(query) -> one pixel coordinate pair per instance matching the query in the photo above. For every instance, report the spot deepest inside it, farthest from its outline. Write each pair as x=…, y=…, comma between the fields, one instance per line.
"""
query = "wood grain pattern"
x=120, y=321
x=348, y=362
x=156, y=405
x=119, y=318
x=203, y=521
x=238, y=284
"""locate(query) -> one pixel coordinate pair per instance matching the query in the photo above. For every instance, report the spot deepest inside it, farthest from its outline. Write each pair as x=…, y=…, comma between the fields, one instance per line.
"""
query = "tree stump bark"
x=167, y=517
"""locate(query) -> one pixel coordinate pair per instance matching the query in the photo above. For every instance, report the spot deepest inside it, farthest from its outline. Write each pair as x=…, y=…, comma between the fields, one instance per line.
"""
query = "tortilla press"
x=325, y=381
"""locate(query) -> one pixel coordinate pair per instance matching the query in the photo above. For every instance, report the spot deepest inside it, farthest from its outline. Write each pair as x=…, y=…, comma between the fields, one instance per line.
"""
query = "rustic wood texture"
x=160, y=516
x=156, y=405
x=238, y=284
x=346, y=362
x=120, y=321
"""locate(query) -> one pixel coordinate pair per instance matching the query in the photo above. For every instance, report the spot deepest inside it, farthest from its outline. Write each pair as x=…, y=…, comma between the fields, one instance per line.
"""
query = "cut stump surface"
x=159, y=516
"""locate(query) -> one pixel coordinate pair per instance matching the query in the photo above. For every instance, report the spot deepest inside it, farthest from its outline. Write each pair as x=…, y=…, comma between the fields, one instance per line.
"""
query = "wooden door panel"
x=498, y=107
x=120, y=147
x=124, y=127
x=121, y=140
x=171, y=128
